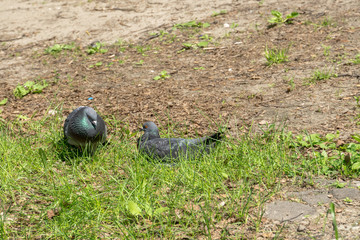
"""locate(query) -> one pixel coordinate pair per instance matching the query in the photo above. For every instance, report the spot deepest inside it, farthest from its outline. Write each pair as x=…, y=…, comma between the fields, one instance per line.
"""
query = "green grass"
x=276, y=55
x=51, y=191
x=191, y=24
x=221, y=12
x=356, y=60
x=321, y=75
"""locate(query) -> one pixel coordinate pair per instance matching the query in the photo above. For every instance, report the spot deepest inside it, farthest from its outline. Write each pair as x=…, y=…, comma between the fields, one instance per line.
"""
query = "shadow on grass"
x=73, y=155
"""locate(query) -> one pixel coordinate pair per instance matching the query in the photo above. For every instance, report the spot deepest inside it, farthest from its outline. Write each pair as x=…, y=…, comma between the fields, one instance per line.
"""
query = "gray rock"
x=312, y=197
x=301, y=228
x=287, y=211
x=342, y=193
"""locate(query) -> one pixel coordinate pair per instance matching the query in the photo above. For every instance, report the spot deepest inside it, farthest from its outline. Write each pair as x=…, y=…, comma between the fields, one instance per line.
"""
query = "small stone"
x=52, y=112
x=263, y=122
x=343, y=193
x=301, y=228
x=339, y=143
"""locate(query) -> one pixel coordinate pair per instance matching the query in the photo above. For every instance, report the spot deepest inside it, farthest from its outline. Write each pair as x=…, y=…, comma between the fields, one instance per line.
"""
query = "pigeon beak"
x=141, y=129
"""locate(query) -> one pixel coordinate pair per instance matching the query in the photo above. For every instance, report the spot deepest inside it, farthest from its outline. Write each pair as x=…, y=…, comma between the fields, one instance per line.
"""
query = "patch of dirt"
x=304, y=214
x=227, y=82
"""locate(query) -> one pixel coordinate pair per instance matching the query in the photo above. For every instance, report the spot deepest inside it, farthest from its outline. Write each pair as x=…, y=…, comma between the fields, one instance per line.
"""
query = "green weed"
x=222, y=12
x=333, y=159
x=191, y=24
x=320, y=75
x=333, y=216
x=292, y=84
x=96, y=48
x=141, y=62
x=98, y=64
x=357, y=99
x=29, y=87
x=276, y=55
x=327, y=22
x=278, y=18
x=143, y=49
x=163, y=75
x=326, y=49
x=57, y=48
x=356, y=60
x=3, y=102
x=234, y=25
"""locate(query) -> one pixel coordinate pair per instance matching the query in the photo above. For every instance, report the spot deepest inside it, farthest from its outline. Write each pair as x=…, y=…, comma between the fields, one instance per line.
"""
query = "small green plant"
x=121, y=44
x=292, y=84
x=143, y=49
x=3, y=102
x=356, y=60
x=163, y=75
x=29, y=87
x=326, y=50
x=327, y=22
x=186, y=46
x=222, y=12
x=278, y=18
x=234, y=25
x=357, y=99
x=141, y=62
x=276, y=55
x=333, y=216
x=227, y=35
x=191, y=24
x=98, y=64
x=96, y=48
x=202, y=44
x=320, y=75
x=206, y=37
x=338, y=184
x=348, y=200
x=57, y=48
x=199, y=68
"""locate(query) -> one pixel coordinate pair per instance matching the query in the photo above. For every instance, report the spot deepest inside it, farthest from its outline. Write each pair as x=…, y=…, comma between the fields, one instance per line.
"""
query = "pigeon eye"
x=145, y=126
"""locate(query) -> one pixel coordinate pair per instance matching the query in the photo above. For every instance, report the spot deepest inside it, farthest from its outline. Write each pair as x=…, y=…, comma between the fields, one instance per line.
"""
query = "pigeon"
x=84, y=128
x=165, y=149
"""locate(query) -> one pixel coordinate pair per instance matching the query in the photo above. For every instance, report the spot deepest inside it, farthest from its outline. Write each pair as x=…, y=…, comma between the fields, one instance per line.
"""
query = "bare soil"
x=226, y=82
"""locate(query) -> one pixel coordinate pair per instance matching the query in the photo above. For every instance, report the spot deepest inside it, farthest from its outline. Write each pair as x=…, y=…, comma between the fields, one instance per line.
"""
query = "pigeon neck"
x=152, y=134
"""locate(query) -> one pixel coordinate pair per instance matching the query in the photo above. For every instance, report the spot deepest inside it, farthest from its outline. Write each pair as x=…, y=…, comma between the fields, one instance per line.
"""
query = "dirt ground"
x=226, y=82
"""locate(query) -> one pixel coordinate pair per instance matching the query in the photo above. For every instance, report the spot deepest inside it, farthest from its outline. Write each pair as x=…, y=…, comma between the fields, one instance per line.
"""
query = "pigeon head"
x=84, y=125
x=90, y=116
x=150, y=130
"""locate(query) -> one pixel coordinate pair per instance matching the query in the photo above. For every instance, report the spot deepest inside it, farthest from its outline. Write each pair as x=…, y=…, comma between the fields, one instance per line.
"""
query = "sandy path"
x=107, y=21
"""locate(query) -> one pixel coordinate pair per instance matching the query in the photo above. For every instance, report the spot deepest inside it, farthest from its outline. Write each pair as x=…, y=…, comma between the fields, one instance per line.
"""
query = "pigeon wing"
x=164, y=148
x=68, y=119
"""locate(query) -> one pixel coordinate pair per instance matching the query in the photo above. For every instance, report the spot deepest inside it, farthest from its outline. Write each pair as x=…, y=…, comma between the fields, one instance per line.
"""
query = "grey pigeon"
x=84, y=128
x=153, y=146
